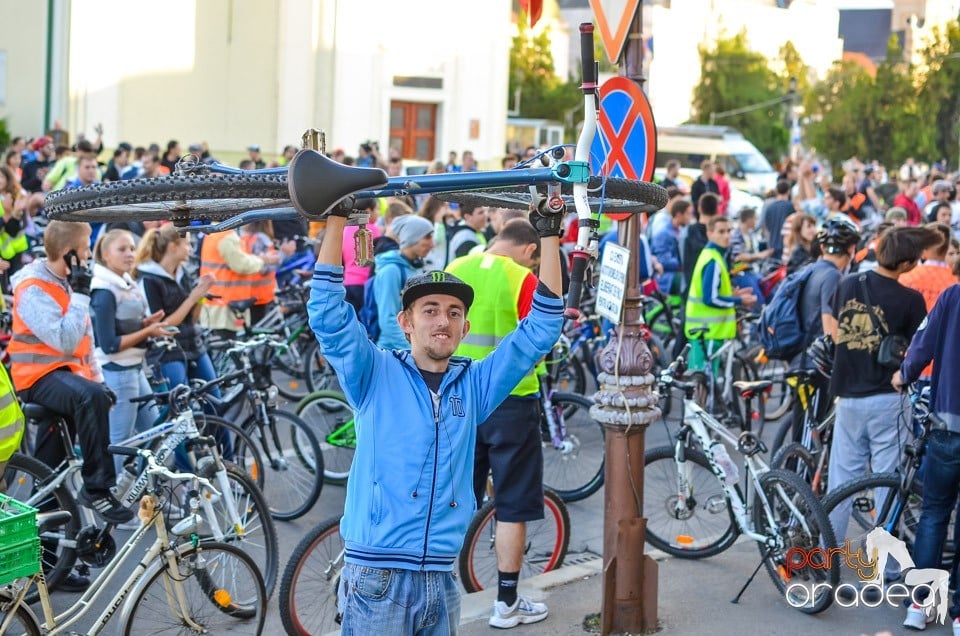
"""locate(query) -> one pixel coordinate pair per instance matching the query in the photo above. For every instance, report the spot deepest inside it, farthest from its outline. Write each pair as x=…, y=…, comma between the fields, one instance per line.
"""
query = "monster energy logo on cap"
x=436, y=282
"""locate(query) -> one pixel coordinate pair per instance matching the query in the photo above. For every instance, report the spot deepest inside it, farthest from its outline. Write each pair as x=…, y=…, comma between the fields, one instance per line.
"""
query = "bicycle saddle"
x=696, y=331
x=749, y=389
x=317, y=182
x=241, y=306
x=38, y=413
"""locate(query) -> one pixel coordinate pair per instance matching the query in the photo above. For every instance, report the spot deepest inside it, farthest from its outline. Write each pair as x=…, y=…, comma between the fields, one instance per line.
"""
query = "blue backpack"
x=781, y=326
x=369, y=312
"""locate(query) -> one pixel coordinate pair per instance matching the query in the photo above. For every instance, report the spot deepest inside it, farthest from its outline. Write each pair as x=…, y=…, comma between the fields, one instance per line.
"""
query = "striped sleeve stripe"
x=547, y=309
x=329, y=277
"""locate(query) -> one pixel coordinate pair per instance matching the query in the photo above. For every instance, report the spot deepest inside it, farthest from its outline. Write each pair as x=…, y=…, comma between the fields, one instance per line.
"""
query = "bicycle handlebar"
x=586, y=241
x=155, y=468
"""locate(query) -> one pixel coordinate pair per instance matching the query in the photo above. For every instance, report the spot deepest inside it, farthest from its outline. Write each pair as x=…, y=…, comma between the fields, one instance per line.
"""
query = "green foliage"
x=4, y=134
x=878, y=117
x=938, y=76
x=542, y=93
x=734, y=77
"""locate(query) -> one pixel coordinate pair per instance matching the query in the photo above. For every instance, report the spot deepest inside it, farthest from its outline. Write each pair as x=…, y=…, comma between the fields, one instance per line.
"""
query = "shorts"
x=509, y=446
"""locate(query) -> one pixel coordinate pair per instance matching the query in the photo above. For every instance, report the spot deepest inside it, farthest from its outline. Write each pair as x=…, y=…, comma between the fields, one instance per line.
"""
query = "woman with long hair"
x=122, y=327
x=167, y=288
x=803, y=231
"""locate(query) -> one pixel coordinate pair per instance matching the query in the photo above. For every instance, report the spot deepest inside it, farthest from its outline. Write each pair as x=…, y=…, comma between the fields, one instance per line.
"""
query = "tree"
x=938, y=76
x=794, y=67
x=892, y=123
x=542, y=93
x=734, y=77
x=836, y=107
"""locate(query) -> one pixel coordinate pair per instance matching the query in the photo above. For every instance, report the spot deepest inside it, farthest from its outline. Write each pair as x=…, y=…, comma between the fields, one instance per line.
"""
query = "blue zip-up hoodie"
x=938, y=339
x=392, y=269
x=410, y=492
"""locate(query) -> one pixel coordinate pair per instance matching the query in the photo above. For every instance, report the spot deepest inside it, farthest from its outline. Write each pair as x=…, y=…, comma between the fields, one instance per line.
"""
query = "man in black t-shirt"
x=704, y=183
x=872, y=419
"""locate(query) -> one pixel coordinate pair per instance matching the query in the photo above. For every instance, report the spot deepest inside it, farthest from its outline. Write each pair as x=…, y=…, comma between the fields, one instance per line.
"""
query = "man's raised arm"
x=331, y=249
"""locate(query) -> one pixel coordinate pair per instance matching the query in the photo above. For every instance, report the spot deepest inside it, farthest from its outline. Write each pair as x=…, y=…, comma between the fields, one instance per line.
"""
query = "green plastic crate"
x=18, y=521
x=20, y=559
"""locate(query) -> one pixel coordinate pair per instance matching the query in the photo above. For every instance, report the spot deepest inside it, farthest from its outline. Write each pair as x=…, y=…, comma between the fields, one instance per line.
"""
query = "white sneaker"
x=523, y=611
x=917, y=618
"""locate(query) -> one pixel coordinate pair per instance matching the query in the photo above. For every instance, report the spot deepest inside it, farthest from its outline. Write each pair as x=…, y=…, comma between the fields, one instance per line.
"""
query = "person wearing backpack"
x=414, y=235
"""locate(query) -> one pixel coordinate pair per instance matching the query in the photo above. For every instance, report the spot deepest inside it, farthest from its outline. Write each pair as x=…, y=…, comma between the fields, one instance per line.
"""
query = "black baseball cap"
x=436, y=282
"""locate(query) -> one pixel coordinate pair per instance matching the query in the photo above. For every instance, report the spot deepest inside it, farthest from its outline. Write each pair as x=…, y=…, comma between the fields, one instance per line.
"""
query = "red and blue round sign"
x=626, y=141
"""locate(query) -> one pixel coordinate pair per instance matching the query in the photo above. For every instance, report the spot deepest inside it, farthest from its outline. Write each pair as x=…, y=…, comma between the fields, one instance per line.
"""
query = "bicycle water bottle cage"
x=317, y=182
x=572, y=172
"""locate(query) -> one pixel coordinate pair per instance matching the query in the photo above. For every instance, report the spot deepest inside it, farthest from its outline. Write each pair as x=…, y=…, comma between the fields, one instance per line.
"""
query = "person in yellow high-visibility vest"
x=11, y=424
x=508, y=442
x=712, y=301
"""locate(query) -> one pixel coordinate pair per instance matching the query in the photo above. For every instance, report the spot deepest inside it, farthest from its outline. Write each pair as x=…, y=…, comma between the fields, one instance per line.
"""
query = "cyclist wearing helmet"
x=838, y=240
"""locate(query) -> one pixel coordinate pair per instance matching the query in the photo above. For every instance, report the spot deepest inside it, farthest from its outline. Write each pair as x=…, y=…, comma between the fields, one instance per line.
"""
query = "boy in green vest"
x=712, y=301
x=508, y=442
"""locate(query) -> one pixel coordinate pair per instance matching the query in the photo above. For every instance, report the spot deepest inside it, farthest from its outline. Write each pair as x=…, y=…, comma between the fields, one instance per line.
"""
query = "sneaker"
x=956, y=627
x=106, y=505
x=523, y=611
x=917, y=618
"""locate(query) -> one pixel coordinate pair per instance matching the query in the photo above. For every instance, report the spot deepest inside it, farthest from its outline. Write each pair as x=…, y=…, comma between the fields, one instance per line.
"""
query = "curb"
x=477, y=606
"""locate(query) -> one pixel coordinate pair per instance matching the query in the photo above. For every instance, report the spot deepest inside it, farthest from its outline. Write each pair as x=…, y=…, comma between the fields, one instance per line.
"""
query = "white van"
x=746, y=168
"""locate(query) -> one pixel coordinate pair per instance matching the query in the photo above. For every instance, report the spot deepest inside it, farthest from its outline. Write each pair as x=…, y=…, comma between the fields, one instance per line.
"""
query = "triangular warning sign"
x=613, y=22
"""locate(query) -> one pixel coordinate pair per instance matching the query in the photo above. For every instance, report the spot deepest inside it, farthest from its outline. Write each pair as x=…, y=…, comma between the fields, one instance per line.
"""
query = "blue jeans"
x=126, y=417
x=178, y=372
x=391, y=601
x=941, y=484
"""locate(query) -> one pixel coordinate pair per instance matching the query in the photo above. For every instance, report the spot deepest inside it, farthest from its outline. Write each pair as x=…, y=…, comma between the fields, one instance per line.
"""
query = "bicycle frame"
x=701, y=424
x=161, y=547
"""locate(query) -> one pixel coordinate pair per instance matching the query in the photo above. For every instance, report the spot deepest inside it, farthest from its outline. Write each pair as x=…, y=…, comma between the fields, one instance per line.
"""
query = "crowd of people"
x=877, y=255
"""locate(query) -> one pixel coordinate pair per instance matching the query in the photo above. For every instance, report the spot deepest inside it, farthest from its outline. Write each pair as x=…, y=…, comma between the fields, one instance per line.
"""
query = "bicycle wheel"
x=292, y=460
x=866, y=499
x=308, y=591
x=573, y=461
x=796, y=458
x=790, y=431
x=545, y=548
x=223, y=593
x=177, y=198
x=568, y=375
x=254, y=531
x=610, y=195
x=780, y=398
x=318, y=374
x=799, y=522
x=235, y=445
x=24, y=475
x=705, y=525
x=330, y=416
x=23, y=623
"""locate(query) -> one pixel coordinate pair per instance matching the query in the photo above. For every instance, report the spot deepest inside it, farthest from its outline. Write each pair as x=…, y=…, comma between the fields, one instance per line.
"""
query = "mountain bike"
x=238, y=515
x=695, y=506
x=313, y=185
x=196, y=586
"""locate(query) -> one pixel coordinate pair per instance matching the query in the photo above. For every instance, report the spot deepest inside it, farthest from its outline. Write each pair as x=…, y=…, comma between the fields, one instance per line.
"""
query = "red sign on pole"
x=613, y=22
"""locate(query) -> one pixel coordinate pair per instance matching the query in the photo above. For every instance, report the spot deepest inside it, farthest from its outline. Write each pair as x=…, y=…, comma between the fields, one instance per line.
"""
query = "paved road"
x=586, y=536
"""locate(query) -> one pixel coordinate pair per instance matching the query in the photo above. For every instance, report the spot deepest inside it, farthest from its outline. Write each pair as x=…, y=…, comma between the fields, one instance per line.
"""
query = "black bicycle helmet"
x=821, y=352
x=837, y=235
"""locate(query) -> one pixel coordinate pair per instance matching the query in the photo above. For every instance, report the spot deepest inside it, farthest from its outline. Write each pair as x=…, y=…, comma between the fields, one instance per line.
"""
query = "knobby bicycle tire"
x=665, y=529
x=319, y=375
x=797, y=458
x=581, y=453
x=799, y=498
x=538, y=557
x=57, y=557
x=611, y=195
x=178, y=198
x=313, y=575
x=326, y=412
x=242, y=606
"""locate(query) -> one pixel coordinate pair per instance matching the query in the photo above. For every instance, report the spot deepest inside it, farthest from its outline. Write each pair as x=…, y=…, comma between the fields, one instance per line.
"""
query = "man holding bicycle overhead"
x=508, y=443
x=410, y=494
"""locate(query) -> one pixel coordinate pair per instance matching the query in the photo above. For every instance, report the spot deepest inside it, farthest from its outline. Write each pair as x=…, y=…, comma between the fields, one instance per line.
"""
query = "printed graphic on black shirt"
x=856, y=329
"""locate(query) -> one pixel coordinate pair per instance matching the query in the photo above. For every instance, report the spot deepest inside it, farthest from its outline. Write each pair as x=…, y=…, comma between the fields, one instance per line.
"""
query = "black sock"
x=507, y=587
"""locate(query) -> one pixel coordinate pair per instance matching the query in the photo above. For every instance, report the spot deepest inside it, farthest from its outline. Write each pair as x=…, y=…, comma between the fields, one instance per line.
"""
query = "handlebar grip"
x=124, y=450
x=577, y=274
x=685, y=352
x=588, y=67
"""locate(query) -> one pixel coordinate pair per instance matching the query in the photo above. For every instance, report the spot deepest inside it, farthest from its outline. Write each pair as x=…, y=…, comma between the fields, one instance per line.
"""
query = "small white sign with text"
x=613, y=282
